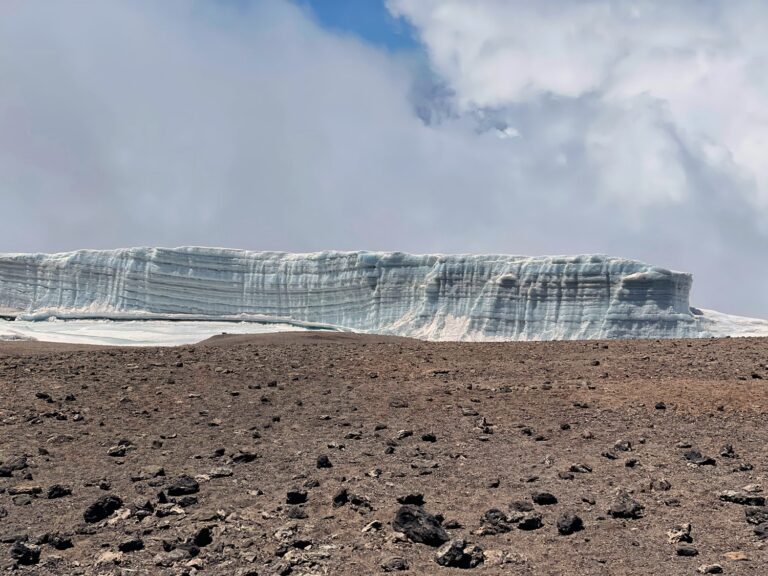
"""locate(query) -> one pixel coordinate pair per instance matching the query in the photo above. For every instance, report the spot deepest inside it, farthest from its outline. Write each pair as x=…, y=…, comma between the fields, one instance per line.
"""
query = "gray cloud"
x=147, y=123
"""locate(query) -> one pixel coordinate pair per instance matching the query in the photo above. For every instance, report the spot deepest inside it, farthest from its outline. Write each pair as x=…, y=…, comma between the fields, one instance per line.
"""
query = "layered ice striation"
x=436, y=297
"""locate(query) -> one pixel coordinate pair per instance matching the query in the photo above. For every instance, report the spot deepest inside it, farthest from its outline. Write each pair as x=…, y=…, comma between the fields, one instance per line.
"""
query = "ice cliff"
x=437, y=297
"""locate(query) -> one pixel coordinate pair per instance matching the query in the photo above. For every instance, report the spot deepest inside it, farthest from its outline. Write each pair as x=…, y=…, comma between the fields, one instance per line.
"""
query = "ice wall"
x=439, y=297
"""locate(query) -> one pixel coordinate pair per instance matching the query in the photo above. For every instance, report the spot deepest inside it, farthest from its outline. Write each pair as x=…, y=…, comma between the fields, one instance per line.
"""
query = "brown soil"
x=547, y=406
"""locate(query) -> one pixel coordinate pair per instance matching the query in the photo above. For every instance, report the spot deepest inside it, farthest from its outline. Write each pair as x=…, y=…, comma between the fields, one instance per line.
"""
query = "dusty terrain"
x=246, y=419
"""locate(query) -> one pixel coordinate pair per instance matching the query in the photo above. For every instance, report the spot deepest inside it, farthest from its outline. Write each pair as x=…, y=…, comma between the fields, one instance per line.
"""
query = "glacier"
x=468, y=297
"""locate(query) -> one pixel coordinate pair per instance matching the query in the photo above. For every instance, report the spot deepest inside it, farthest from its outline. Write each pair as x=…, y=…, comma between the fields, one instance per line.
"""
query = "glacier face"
x=436, y=297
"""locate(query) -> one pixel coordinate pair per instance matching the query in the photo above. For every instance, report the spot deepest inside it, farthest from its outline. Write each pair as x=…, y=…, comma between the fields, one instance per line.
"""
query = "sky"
x=632, y=128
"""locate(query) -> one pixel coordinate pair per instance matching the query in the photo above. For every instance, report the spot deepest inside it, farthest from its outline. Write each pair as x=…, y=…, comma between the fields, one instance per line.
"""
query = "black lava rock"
x=696, y=457
x=686, y=550
x=102, y=508
x=340, y=498
x=624, y=506
x=183, y=485
x=203, y=537
x=324, y=462
x=568, y=523
x=58, y=491
x=456, y=554
x=133, y=545
x=395, y=564
x=531, y=521
x=419, y=526
x=60, y=541
x=296, y=496
x=756, y=515
x=544, y=498
x=743, y=498
x=417, y=499
x=25, y=554
x=494, y=521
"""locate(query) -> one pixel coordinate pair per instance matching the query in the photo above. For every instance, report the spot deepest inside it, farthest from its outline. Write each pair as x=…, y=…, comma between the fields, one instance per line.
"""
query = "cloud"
x=559, y=127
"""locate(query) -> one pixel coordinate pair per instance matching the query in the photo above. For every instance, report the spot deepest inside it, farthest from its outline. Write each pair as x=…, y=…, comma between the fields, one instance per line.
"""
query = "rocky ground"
x=347, y=455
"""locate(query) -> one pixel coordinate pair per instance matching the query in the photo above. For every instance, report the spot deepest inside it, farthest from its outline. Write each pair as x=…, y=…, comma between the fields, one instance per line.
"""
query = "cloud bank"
x=629, y=128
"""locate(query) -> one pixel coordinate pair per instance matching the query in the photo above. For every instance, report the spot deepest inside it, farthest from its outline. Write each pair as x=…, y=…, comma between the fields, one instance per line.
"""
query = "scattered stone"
x=623, y=446
x=736, y=556
x=58, y=491
x=419, y=526
x=680, y=534
x=102, y=508
x=117, y=451
x=59, y=541
x=220, y=472
x=296, y=496
x=521, y=506
x=203, y=537
x=727, y=451
x=450, y=553
x=244, y=457
x=686, y=550
x=543, y=498
x=148, y=473
x=340, y=498
x=660, y=406
x=494, y=521
x=756, y=515
x=109, y=557
x=580, y=468
x=660, y=485
x=761, y=531
x=133, y=545
x=28, y=489
x=25, y=554
x=183, y=486
x=530, y=521
x=743, y=498
x=455, y=554
x=416, y=498
x=710, y=569
x=324, y=462
x=568, y=523
x=168, y=559
x=297, y=513
x=395, y=564
x=624, y=506
x=373, y=526
x=429, y=437
x=696, y=457
x=360, y=503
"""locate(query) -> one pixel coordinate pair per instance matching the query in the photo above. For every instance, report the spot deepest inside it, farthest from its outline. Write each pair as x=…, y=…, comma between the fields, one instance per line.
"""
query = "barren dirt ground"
x=184, y=460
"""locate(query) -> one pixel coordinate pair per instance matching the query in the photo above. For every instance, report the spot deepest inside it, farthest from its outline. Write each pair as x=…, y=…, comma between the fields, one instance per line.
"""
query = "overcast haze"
x=630, y=128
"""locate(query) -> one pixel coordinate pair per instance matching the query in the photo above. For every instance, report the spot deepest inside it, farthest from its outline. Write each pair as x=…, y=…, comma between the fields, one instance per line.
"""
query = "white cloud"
x=694, y=66
x=630, y=129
